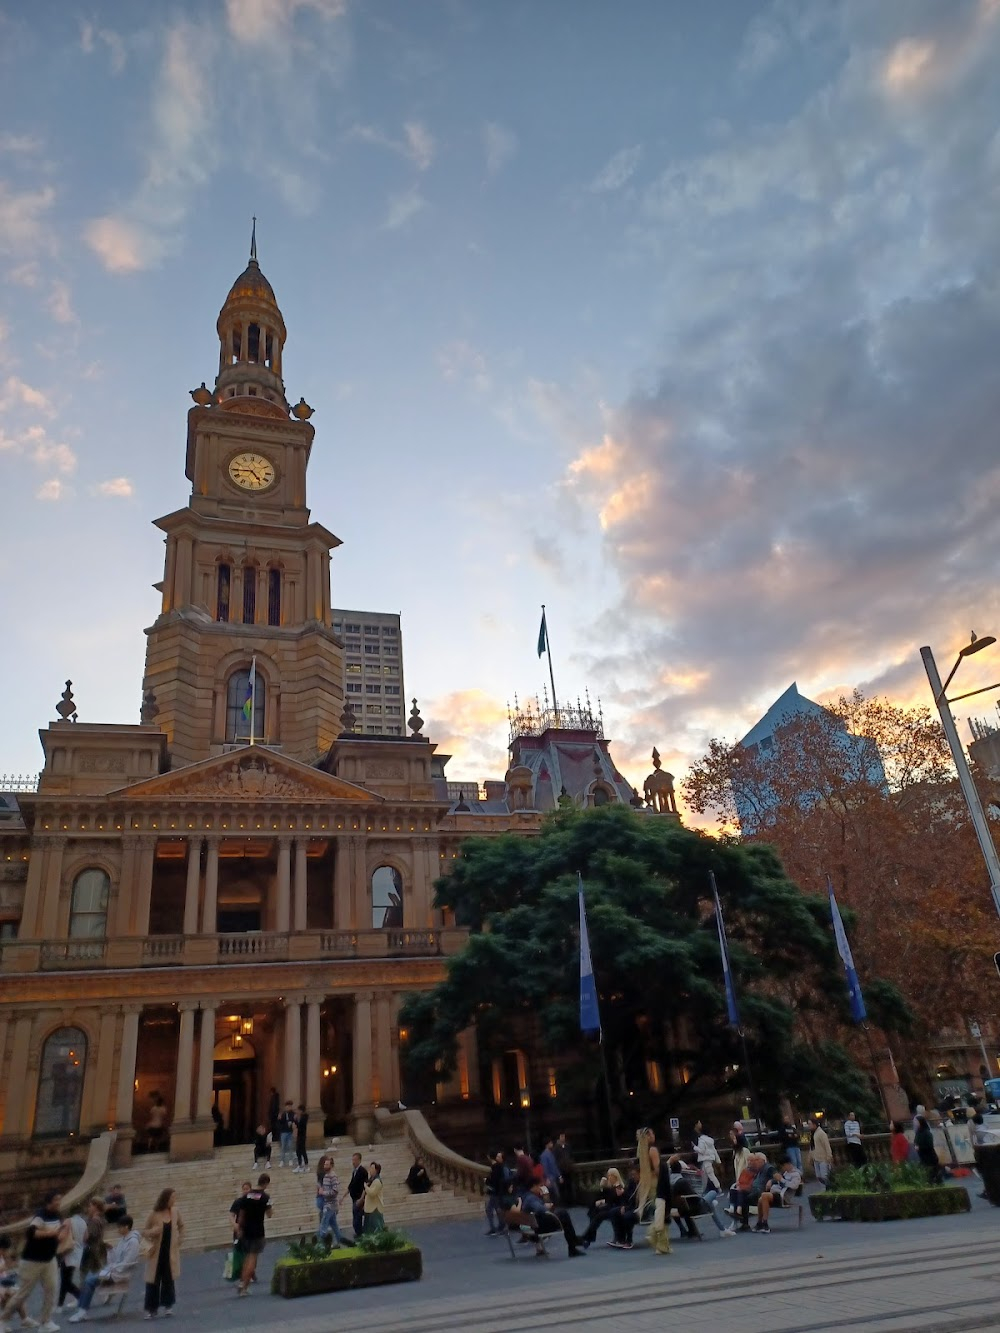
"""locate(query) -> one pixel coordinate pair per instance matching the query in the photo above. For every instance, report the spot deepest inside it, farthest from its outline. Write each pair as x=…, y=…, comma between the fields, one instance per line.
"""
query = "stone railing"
x=96, y=1168
x=252, y=945
x=162, y=950
x=73, y=953
x=447, y=1168
x=411, y=942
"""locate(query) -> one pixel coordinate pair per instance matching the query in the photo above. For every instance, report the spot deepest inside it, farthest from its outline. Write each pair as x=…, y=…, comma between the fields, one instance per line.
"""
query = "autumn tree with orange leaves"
x=901, y=853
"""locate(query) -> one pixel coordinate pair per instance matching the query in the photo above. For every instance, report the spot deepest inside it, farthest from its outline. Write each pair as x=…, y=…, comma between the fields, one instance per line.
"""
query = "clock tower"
x=246, y=584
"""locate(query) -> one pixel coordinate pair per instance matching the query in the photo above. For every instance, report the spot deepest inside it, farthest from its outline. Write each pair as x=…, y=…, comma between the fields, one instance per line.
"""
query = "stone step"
x=206, y=1189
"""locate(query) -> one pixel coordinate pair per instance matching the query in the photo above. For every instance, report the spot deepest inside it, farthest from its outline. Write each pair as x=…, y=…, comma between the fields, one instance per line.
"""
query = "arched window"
x=238, y=710
x=222, y=593
x=88, y=913
x=249, y=594
x=387, y=897
x=60, y=1084
x=274, y=596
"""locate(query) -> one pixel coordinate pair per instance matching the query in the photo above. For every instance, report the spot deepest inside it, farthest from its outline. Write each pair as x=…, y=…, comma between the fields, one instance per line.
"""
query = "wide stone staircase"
x=206, y=1190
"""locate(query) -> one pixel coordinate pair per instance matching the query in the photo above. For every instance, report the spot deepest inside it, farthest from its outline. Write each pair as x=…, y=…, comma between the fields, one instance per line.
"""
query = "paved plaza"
x=929, y=1274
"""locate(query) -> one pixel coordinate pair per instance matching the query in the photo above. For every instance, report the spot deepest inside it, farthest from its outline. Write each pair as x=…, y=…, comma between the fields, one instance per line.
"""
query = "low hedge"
x=310, y=1266
x=890, y=1207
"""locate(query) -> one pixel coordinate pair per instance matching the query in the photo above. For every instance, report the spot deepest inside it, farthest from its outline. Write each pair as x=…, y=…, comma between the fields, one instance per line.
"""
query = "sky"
x=680, y=318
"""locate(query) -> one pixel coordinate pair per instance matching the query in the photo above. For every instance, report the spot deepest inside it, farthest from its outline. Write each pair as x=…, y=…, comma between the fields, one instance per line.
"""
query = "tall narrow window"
x=222, y=593
x=253, y=342
x=238, y=707
x=274, y=597
x=249, y=594
x=60, y=1084
x=387, y=893
x=88, y=913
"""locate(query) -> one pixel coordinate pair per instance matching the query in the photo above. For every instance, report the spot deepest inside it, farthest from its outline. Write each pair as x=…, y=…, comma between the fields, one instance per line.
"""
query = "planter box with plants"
x=311, y=1267
x=883, y=1193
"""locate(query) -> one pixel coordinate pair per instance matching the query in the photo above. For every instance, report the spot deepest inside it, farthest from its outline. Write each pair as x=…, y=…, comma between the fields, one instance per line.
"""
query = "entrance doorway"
x=234, y=1087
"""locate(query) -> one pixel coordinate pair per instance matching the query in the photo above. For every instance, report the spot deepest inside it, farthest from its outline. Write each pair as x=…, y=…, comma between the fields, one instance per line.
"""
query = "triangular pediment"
x=254, y=773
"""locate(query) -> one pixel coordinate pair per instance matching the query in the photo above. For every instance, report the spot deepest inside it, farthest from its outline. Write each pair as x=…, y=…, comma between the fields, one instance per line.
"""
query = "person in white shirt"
x=852, y=1134
x=121, y=1262
x=707, y=1153
x=786, y=1181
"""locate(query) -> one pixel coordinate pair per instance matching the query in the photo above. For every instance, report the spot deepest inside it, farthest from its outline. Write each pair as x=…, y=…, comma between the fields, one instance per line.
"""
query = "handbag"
x=232, y=1268
x=145, y=1248
x=65, y=1242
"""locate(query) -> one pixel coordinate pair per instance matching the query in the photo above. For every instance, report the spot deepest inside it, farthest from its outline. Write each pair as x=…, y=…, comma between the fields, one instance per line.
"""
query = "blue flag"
x=732, y=1008
x=590, y=1014
x=858, y=1011
x=543, y=635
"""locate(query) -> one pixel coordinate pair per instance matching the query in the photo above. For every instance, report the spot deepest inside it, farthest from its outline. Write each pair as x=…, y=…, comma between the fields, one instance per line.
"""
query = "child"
x=262, y=1147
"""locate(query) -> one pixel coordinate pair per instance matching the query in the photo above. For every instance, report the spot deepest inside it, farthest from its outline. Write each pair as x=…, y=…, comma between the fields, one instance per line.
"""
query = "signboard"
x=675, y=1124
x=975, y=1029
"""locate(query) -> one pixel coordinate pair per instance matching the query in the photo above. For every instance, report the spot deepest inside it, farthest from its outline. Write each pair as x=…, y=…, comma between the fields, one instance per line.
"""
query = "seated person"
x=115, y=1205
x=121, y=1261
x=752, y=1188
x=625, y=1216
x=418, y=1179
x=603, y=1207
x=679, y=1197
x=536, y=1207
x=785, y=1182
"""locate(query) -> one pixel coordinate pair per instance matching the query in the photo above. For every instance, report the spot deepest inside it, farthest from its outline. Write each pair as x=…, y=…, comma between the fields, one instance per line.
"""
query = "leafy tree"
x=656, y=961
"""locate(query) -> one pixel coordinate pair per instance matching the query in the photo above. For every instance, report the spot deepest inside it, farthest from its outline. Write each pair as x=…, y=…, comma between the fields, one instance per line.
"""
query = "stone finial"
x=66, y=707
x=658, y=789
x=149, y=710
x=415, y=721
x=656, y=757
x=635, y=800
x=202, y=395
x=348, y=721
x=598, y=770
x=462, y=806
x=302, y=410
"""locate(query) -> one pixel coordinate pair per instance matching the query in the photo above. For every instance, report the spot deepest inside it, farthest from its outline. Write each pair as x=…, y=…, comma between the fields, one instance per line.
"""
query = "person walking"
x=899, y=1144
x=790, y=1142
x=301, y=1125
x=255, y=1206
x=374, y=1215
x=356, y=1190
x=564, y=1157
x=71, y=1260
x=286, y=1133
x=822, y=1153
x=95, y=1251
x=156, y=1124
x=707, y=1154
x=927, y=1155
x=330, y=1189
x=496, y=1193
x=163, y=1232
x=37, y=1267
x=552, y=1177
x=855, y=1148
x=653, y=1166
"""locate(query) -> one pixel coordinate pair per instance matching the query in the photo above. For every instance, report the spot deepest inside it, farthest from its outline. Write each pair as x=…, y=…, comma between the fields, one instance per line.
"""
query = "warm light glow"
x=553, y=1089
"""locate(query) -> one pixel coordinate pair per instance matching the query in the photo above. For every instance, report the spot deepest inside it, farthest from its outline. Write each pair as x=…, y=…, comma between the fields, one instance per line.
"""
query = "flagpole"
x=858, y=1011
x=607, y=1097
x=875, y=1071
x=732, y=1007
x=590, y=1009
x=552, y=679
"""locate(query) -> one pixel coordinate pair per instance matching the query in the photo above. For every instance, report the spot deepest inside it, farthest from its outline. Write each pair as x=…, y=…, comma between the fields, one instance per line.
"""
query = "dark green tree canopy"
x=656, y=959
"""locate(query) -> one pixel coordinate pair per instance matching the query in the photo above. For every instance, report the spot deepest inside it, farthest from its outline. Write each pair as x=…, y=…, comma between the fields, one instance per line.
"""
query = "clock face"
x=253, y=472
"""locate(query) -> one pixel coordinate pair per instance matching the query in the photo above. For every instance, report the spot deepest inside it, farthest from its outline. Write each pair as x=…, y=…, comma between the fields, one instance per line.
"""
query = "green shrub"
x=879, y=1178
x=889, y=1205
x=382, y=1242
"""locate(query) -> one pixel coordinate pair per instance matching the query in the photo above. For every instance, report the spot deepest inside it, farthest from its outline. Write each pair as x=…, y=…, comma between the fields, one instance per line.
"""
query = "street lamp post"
x=965, y=781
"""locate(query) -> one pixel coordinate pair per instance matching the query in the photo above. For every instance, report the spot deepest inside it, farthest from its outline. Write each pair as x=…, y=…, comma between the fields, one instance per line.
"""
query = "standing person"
x=37, y=1267
x=654, y=1170
x=899, y=1145
x=322, y=1167
x=236, y=1205
x=564, y=1158
x=707, y=1154
x=822, y=1153
x=374, y=1215
x=163, y=1231
x=255, y=1206
x=356, y=1190
x=496, y=1192
x=301, y=1125
x=790, y=1142
x=70, y=1262
x=121, y=1261
x=286, y=1133
x=552, y=1179
x=855, y=1148
x=927, y=1156
x=741, y=1159
x=330, y=1187
x=156, y=1124
x=273, y=1110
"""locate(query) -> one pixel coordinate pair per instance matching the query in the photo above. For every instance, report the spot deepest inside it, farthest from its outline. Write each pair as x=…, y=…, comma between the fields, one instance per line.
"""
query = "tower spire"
x=253, y=239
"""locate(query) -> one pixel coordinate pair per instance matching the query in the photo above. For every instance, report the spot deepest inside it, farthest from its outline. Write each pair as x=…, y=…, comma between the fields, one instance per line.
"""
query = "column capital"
x=315, y=998
x=208, y=1006
x=364, y=996
x=294, y=1001
x=147, y=841
x=188, y=1006
x=127, y=1009
x=285, y=840
x=213, y=839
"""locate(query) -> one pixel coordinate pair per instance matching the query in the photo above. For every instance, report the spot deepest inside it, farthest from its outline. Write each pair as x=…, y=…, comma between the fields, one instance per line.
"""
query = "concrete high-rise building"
x=373, y=670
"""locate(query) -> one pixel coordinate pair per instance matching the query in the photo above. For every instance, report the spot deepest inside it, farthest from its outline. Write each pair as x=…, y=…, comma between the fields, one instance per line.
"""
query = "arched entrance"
x=234, y=1088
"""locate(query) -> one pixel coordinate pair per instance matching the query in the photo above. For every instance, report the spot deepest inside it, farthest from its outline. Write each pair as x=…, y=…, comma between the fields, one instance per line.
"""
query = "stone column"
x=5, y=1022
x=210, y=913
x=185, y=1064
x=144, y=887
x=17, y=1109
x=299, y=915
x=293, y=1049
x=314, y=1059
x=384, y=1049
x=126, y=883
x=362, y=1119
x=53, y=884
x=193, y=889
x=342, y=918
x=101, y=1116
x=283, y=915
x=125, y=1096
x=361, y=894
x=31, y=913
x=206, y=1061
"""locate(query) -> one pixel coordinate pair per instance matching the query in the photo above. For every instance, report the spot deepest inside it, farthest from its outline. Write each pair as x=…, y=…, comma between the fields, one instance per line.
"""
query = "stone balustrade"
x=446, y=1168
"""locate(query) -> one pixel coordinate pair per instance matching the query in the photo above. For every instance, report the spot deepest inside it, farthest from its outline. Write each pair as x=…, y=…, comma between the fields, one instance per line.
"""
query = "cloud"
x=403, y=207
x=500, y=145
x=461, y=362
x=47, y=453
x=60, y=303
x=20, y=145
x=471, y=726
x=17, y=393
x=259, y=22
x=122, y=246
x=617, y=171
x=113, y=41
x=23, y=219
x=53, y=489
x=907, y=64
x=116, y=487
x=416, y=144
